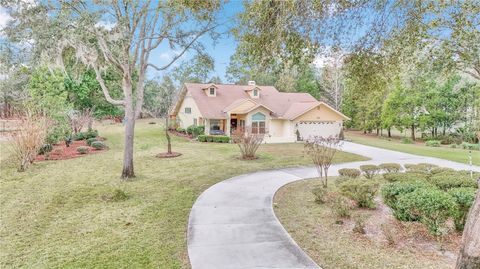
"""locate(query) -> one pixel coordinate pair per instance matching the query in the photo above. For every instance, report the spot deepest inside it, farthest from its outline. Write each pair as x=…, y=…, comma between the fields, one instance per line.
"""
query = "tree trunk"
x=169, y=144
x=413, y=132
x=469, y=257
x=389, y=133
x=128, y=171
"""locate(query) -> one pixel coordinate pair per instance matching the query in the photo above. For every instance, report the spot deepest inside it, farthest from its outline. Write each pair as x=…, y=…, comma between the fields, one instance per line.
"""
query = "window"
x=212, y=91
x=255, y=92
x=188, y=110
x=214, y=124
x=194, y=122
x=258, y=123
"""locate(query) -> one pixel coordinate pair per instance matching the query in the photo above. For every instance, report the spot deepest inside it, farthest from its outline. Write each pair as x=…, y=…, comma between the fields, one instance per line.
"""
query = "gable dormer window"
x=255, y=93
x=212, y=91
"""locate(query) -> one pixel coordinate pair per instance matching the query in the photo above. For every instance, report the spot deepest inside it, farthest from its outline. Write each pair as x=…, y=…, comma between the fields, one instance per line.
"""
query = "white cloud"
x=168, y=55
x=4, y=18
x=105, y=24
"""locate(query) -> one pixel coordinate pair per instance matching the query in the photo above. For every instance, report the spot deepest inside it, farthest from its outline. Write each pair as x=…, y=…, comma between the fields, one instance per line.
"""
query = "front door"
x=233, y=125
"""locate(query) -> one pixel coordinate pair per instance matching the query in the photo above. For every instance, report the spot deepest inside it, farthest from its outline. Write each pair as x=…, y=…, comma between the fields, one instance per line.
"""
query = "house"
x=283, y=117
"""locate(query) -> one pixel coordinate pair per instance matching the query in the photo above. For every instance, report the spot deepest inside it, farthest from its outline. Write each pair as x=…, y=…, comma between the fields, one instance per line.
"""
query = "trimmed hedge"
x=446, y=181
x=421, y=167
x=391, y=191
x=429, y=205
x=369, y=170
x=391, y=167
x=349, y=172
x=394, y=177
x=214, y=138
x=361, y=191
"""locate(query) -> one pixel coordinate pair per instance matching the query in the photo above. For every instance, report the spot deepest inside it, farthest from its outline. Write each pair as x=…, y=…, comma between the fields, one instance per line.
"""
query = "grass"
x=78, y=214
x=330, y=245
x=444, y=152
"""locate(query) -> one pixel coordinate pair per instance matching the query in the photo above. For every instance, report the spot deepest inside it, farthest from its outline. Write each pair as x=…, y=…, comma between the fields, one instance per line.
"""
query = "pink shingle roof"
x=227, y=94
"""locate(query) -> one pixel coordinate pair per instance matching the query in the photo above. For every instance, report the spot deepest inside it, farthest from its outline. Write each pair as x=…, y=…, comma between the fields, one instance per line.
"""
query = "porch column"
x=227, y=125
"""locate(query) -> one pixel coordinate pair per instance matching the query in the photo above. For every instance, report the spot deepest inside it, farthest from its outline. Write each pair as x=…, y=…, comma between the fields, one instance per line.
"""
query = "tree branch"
x=105, y=89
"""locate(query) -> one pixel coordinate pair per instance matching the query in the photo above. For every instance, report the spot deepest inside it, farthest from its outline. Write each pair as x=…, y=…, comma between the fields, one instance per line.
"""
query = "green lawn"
x=334, y=246
x=444, y=152
x=55, y=216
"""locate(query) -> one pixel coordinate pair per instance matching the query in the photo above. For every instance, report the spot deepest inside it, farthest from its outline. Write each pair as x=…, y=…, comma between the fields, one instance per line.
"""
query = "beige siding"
x=320, y=113
x=186, y=120
x=245, y=106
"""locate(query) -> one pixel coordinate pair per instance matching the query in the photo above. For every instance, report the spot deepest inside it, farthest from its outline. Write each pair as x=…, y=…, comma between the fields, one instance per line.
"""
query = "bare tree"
x=247, y=141
x=122, y=34
x=322, y=150
x=78, y=119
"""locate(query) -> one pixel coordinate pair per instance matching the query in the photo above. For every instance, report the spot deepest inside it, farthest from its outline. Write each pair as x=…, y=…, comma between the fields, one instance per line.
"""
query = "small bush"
x=45, y=148
x=433, y=143
x=369, y=170
x=190, y=129
x=91, y=134
x=464, y=197
x=342, y=206
x=180, y=130
x=391, y=191
x=447, y=181
x=98, y=145
x=421, y=167
x=349, y=172
x=214, y=138
x=471, y=146
x=361, y=191
x=390, y=167
x=359, y=225
x=91, y=140
x=78, y=136
x=202, y=138
x=339, y=180
x=406, y=140
x=82, y=150
x=438, y=170
x=431, y=206
x=320, y=194
x=393, y=177
x=209, y=138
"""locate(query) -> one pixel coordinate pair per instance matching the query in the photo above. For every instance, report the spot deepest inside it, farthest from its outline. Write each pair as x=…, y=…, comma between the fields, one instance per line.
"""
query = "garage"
x=308, y=129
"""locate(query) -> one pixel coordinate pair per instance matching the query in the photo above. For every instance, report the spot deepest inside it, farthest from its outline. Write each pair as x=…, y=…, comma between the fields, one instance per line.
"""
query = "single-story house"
x=282, y=116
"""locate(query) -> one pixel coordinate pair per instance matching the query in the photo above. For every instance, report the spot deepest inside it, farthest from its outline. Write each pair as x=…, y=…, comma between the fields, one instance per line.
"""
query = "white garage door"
x=308, y=129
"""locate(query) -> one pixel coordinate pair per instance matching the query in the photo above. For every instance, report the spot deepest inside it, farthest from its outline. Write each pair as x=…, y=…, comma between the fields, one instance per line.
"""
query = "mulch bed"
x=180, y=134
x=62, y=152
x=168, y=155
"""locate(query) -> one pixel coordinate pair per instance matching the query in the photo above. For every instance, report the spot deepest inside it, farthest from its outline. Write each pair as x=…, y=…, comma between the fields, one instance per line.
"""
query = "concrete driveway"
x=232, y=224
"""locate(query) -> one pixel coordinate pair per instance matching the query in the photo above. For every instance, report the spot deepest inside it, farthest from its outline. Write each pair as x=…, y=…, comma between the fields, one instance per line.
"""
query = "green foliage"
x=464, y=197
x=339, y=180
x=46, y=148
x=391, y=191
x=85, y=135
x=180, y=130
x=470, y=146
x=98, y=145
x=447, y=181
x=429, y=205
x=390, y=167
x=341, y=206
x=421, y=167
x=195, y=130
x=349, y=172
x=361, y=191
x=394, y=177
x=91, y=140
x=406, y=140
x=369, y=170
x=214, y=138
x=82, y=150
x=433, y=143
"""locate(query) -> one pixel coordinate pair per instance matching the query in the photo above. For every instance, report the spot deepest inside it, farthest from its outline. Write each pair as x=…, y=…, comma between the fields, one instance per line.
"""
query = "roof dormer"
x=211, y=90
x=254, y=92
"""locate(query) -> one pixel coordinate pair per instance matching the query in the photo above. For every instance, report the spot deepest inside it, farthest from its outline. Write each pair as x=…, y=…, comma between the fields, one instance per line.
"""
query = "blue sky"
x=220, y=51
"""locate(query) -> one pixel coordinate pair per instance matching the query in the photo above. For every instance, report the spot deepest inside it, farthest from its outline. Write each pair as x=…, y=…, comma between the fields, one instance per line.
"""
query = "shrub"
x=471, y=146
x=85, y=135
x=369, y=170
x=433, y=143
x=98, y=145
x=361, y=191
x=339, y=181
x=390, y=167
x=45, y=148
x=406, y=140
x=464, y=197
x=341, y=206
x=320, y=194
x=180, y=130
x=453, y=146
x=202, y=138
x=82, y=150
x=447, y=181
x=349, y=172
x=421, y=167
x=91, y=140
x=78, y=136
x=209, y=138
x=190, y=129
x=393, y=177
x=200, y=130
x=391, y=191
x=359, y=225
x=429, y=205
x=438, y=170
x=248, y=141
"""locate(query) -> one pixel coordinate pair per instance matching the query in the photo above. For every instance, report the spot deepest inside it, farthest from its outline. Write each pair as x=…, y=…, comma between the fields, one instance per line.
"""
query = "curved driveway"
x=232, y=224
